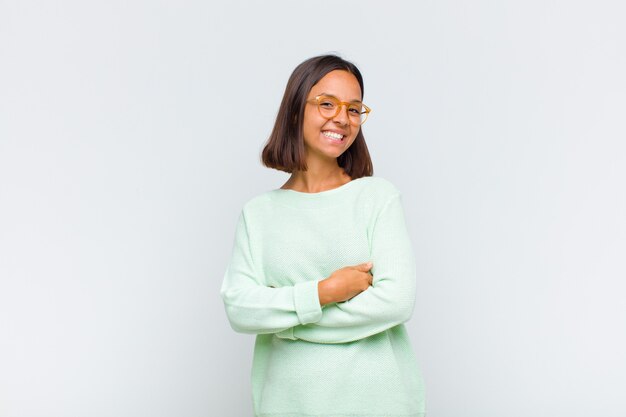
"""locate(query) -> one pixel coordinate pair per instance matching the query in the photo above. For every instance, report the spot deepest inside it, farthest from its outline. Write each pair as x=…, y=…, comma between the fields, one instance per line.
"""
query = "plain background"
x=130, y=134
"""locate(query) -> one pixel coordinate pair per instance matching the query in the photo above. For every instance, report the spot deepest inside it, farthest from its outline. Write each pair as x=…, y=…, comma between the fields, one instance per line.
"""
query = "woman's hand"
x=345, y=283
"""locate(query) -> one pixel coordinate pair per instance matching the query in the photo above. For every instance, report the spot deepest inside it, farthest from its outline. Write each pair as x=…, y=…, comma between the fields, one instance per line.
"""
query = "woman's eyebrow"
x=333, y=96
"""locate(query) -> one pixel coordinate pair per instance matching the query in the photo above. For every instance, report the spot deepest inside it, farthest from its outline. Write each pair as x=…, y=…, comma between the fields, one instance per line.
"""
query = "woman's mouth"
x=333, y=136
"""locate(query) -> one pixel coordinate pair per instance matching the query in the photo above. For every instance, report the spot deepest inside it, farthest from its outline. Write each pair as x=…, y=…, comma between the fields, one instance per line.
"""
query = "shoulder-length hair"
x=285, y=149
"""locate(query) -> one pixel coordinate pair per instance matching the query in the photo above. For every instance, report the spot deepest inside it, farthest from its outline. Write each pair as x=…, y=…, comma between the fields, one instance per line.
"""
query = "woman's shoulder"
x=381, y=188
x=257, y=201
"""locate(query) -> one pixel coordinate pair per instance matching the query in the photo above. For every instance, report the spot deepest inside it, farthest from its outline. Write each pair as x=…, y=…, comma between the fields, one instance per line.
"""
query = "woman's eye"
x=327, y=104
x=355, y=111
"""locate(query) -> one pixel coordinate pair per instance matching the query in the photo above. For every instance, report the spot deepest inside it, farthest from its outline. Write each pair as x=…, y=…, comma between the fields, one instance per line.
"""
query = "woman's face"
x=317, y=129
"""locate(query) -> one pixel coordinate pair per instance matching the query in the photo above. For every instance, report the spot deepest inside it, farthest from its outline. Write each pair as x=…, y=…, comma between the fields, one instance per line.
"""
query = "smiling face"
x=329, y=138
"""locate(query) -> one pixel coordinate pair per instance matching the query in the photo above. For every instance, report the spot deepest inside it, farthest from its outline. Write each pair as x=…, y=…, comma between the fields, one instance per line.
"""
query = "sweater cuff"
x=286, y=334
x=307, y=302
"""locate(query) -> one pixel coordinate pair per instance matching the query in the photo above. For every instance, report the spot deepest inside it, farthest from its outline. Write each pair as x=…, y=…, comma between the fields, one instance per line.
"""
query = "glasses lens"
x=357, y=114
x=328, y=106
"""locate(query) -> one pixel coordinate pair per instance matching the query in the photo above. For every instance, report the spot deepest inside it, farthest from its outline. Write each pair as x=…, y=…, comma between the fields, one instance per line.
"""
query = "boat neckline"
x=320, y=193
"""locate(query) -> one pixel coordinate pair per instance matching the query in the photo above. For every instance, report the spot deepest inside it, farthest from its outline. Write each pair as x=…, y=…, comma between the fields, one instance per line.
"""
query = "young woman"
x=330, y=335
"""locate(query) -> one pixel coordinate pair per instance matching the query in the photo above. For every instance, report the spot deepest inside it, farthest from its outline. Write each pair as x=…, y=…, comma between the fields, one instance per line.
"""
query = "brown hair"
x=285, y=147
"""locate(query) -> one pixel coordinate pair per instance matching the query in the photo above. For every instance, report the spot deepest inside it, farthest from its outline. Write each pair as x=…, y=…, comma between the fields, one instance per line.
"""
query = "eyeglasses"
x=330, y=107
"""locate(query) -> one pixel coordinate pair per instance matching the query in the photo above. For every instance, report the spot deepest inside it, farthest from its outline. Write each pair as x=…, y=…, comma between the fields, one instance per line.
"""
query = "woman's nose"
x=342, y=116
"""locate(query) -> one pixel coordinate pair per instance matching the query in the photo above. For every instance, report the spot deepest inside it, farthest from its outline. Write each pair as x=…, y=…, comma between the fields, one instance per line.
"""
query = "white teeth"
x=332, y=135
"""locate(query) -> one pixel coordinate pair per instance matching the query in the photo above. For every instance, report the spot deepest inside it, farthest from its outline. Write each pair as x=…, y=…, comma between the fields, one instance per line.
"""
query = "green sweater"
x=347, y=359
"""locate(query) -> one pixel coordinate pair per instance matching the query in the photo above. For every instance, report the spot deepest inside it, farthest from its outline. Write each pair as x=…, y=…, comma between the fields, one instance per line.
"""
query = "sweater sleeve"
x=390, y=299
x=254, y=307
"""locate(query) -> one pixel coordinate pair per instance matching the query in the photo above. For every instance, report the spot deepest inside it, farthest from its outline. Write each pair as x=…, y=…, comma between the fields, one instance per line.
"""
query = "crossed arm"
x=294, y=312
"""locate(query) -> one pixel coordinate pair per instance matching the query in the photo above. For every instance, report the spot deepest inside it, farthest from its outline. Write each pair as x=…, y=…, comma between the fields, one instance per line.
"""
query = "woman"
x=330, y=335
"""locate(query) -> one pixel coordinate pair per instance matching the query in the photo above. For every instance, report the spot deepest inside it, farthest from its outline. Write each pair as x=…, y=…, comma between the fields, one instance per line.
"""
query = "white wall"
x=130, y=135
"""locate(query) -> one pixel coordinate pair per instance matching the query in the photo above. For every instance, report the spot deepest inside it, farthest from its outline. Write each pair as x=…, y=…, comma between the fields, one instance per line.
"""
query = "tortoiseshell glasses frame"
x=330, y=106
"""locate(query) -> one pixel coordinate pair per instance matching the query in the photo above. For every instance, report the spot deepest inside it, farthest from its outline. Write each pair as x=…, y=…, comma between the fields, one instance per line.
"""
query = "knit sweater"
x=345, y=359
